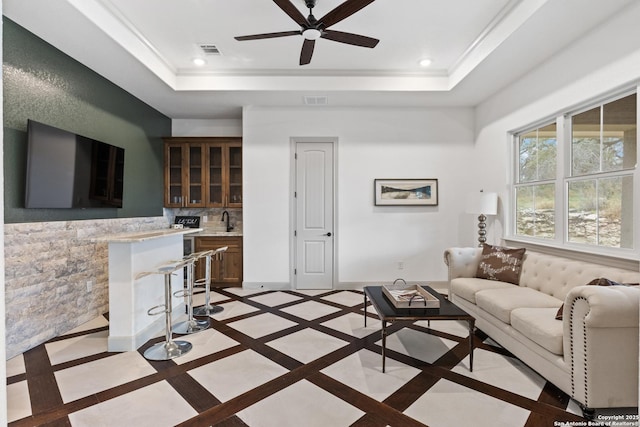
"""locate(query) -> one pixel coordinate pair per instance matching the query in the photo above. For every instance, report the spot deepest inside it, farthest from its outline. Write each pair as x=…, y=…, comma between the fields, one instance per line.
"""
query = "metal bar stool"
x=168, y=349
x=208, y=309
x=191, y=325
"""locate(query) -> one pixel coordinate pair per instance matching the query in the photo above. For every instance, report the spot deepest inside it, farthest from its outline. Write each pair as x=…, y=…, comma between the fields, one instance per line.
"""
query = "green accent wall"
x=43, y=84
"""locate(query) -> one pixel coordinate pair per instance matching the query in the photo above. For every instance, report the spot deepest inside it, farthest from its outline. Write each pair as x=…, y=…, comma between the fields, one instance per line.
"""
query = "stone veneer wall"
x=47, y=267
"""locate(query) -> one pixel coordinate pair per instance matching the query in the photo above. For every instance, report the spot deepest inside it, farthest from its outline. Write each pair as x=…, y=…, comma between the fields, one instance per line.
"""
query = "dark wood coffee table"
x=387, y=312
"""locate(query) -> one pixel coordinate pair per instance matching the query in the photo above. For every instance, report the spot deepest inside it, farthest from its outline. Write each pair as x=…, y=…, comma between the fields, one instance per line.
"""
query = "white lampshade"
x=482, y=203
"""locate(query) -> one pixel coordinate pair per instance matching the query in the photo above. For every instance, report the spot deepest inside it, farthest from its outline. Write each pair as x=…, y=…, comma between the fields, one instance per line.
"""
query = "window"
x=595, y=181
x=535, y=187
x=600, y=189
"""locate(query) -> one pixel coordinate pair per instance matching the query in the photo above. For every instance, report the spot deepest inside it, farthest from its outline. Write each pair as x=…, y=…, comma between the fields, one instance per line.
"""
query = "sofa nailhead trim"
x=584, y=329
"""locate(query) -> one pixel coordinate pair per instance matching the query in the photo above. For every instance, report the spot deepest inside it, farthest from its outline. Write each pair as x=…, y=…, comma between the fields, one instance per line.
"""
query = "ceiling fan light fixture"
x=311, y=34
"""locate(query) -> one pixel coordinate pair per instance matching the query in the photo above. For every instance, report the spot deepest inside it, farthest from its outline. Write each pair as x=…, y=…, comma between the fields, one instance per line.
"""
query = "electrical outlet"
x=400, y=265
x=89, y=285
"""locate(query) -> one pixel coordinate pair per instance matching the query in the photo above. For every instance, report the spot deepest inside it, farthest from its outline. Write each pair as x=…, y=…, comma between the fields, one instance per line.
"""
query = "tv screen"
x=65, y=170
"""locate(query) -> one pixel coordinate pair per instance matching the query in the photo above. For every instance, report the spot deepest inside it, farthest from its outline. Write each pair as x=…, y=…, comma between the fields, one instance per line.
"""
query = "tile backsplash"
x=209, y=217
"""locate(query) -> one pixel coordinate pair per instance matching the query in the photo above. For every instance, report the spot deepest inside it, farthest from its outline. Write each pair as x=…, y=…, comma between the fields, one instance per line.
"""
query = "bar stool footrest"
x=154, y=311
x=200, y=283
x=182, y=293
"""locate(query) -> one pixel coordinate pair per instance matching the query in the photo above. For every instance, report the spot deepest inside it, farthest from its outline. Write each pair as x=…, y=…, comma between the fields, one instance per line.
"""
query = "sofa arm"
x=462, y=262
x=601, y=345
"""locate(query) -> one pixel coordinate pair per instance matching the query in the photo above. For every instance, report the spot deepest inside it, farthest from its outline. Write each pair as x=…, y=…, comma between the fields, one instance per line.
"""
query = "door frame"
x=293, y=209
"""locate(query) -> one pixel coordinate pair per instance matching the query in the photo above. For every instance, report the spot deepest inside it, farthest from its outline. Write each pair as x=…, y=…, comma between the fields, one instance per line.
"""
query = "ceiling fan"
x=312, y=29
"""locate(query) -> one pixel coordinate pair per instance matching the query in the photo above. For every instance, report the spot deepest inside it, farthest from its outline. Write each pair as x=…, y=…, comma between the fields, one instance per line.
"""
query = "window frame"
x=563, y=178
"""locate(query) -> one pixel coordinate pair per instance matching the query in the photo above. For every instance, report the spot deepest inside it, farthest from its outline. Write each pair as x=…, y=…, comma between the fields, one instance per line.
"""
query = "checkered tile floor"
x=284, y=358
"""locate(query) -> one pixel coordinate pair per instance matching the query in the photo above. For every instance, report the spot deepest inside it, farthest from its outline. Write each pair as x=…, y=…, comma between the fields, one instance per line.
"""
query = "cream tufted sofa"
x=592, y=354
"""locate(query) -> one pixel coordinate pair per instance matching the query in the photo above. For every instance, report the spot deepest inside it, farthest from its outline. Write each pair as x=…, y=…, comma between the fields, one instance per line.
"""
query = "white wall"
x=206, y=127
x=372, y=143
x=598, y=64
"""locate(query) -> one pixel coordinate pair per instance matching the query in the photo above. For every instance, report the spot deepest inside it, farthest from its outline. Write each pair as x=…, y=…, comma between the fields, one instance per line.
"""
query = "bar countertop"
x=140, y=236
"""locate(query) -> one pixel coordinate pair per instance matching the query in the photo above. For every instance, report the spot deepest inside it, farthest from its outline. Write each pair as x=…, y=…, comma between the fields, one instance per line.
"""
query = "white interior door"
x=314, y=234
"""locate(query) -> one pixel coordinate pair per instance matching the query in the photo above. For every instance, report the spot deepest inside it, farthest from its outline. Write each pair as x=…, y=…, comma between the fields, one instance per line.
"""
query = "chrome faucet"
x=229, y=227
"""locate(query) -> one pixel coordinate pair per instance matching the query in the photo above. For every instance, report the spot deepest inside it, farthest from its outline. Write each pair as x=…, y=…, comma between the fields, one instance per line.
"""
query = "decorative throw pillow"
x=499, y=263
x=601, y=281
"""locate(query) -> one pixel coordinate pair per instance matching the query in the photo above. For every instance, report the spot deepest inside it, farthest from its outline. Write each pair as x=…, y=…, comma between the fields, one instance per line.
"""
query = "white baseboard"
x=268, y=286
x=440, y=286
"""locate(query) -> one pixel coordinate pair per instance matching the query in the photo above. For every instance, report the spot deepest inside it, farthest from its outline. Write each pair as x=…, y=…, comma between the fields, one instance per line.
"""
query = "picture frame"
x=406, y=192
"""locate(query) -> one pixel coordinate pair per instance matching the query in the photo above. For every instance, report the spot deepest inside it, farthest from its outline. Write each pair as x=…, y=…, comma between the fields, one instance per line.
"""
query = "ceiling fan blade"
x=343, y=11
x=293, y=12
x=268, y=35
x=349, y=38
x=307, y=51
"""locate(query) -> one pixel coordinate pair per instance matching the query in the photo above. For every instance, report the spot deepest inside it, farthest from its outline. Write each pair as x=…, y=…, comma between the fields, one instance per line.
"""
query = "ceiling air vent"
x=316, y=100
x=210, y=49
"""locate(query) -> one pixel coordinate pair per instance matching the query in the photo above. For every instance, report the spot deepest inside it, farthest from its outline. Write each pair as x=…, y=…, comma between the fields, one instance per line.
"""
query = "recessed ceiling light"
x=425, y=62
x=198, y=62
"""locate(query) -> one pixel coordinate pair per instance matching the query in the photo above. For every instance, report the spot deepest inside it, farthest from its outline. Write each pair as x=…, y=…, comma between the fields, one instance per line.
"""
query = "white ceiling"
x=146, y=47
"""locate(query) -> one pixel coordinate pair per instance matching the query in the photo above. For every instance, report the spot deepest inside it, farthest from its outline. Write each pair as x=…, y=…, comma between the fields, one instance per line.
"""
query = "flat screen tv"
x=65, y=170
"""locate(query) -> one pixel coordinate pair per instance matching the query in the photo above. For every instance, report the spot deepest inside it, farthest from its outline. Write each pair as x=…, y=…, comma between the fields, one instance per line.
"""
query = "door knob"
x=328, y=234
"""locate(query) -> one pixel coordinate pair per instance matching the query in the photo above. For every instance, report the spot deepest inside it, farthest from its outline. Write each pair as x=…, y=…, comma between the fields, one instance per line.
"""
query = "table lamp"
x=482, y=204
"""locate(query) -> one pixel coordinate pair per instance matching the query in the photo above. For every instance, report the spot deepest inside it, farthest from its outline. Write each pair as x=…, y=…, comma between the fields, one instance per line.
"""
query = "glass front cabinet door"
x=215, y=193
x=234, y=171
x=196, y=176
x=203, y=172
x=184, y=175
x=173, y=171
x=225, y=174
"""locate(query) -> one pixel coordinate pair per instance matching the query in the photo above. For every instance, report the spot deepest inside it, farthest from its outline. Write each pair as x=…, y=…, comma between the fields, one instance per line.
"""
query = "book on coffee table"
x=410, y=296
